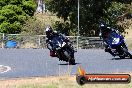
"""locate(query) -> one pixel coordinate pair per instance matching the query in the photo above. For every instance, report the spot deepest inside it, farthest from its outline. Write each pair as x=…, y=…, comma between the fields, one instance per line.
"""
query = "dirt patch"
x=29, y=45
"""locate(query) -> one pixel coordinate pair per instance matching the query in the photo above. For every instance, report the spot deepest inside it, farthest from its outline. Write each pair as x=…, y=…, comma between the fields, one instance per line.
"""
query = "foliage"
x=63, y=28
x=91, y=11
x=33, y=27
x=117, y=13
x=14, y=13
x=65, y=9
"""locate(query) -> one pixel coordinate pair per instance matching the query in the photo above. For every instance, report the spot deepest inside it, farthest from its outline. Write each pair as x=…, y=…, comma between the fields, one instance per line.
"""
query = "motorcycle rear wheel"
x=124, y=52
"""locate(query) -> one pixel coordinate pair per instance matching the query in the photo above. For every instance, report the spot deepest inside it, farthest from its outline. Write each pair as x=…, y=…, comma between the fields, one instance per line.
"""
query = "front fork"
x=61, y=55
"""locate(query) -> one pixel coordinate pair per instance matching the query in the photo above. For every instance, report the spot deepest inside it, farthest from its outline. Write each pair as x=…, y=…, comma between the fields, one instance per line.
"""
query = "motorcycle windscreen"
x=113, y=39
x=57, y=41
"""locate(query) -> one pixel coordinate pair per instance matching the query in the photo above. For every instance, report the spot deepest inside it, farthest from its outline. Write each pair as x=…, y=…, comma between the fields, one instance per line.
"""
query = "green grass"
x=74, y=85
x=66, y=83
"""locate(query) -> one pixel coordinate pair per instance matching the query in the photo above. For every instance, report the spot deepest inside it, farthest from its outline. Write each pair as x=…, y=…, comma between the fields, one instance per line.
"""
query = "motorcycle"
x=117, y=45
x=63, y=50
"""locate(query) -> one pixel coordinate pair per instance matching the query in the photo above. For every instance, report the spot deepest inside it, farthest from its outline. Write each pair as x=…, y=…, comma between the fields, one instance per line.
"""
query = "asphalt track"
x=37, y=62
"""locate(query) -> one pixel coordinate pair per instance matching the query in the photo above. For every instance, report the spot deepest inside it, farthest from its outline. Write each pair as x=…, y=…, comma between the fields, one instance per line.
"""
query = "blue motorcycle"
x=63, y=49
x=117, y=45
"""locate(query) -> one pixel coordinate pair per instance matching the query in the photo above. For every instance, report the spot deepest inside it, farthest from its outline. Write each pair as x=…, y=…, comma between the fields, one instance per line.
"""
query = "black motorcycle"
x=63, y=49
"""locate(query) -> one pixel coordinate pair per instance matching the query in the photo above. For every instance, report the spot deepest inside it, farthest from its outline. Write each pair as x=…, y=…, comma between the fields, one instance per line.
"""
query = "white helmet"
x=48, y=30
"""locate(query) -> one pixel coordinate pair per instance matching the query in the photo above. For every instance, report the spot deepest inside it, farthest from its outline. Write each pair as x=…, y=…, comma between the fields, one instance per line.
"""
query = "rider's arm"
x=114, y=30
x=100, y=34
x=48, y=42
x=66, y=38
x=49, y=47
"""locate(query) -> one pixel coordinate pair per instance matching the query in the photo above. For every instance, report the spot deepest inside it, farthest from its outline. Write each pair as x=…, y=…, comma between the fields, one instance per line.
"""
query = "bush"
x=14, y=13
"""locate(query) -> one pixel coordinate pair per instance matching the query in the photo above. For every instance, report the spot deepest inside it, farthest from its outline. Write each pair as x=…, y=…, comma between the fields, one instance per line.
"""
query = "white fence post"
x=39, y=42
x=77, y=42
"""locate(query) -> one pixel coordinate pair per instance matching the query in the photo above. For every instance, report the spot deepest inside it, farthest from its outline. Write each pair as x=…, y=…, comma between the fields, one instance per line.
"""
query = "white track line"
x=7, y=68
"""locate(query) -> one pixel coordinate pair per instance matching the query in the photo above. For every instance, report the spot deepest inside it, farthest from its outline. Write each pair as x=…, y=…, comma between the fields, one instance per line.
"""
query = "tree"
x=89, y=14
x=65, y=9
x=33, y=27
x=91, y=11
x=14, y=13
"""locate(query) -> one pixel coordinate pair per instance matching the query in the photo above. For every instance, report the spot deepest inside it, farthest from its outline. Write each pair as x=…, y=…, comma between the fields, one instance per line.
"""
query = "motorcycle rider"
x=104, y=33
x=50, y=34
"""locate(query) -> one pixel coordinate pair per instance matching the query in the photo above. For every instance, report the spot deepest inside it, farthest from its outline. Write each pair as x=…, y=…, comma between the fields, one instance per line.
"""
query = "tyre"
x=69, y=57
x=72, y=61
x=131, y=57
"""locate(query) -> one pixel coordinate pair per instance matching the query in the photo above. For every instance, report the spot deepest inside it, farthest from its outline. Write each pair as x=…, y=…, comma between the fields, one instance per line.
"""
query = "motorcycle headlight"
x=63, y=44
x=115, y=41
x=59, y=44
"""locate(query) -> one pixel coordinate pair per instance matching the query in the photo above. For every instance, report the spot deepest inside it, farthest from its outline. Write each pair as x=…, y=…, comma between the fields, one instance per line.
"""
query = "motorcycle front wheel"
x=72, y=61
x=70, y=58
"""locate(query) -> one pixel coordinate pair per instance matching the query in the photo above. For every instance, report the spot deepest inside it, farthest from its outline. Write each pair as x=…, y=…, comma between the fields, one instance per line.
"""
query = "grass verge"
x=54, y=82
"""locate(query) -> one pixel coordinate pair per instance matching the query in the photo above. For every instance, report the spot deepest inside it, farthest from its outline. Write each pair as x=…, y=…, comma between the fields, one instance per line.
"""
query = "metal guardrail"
x=38, y=41
x=90, y=42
